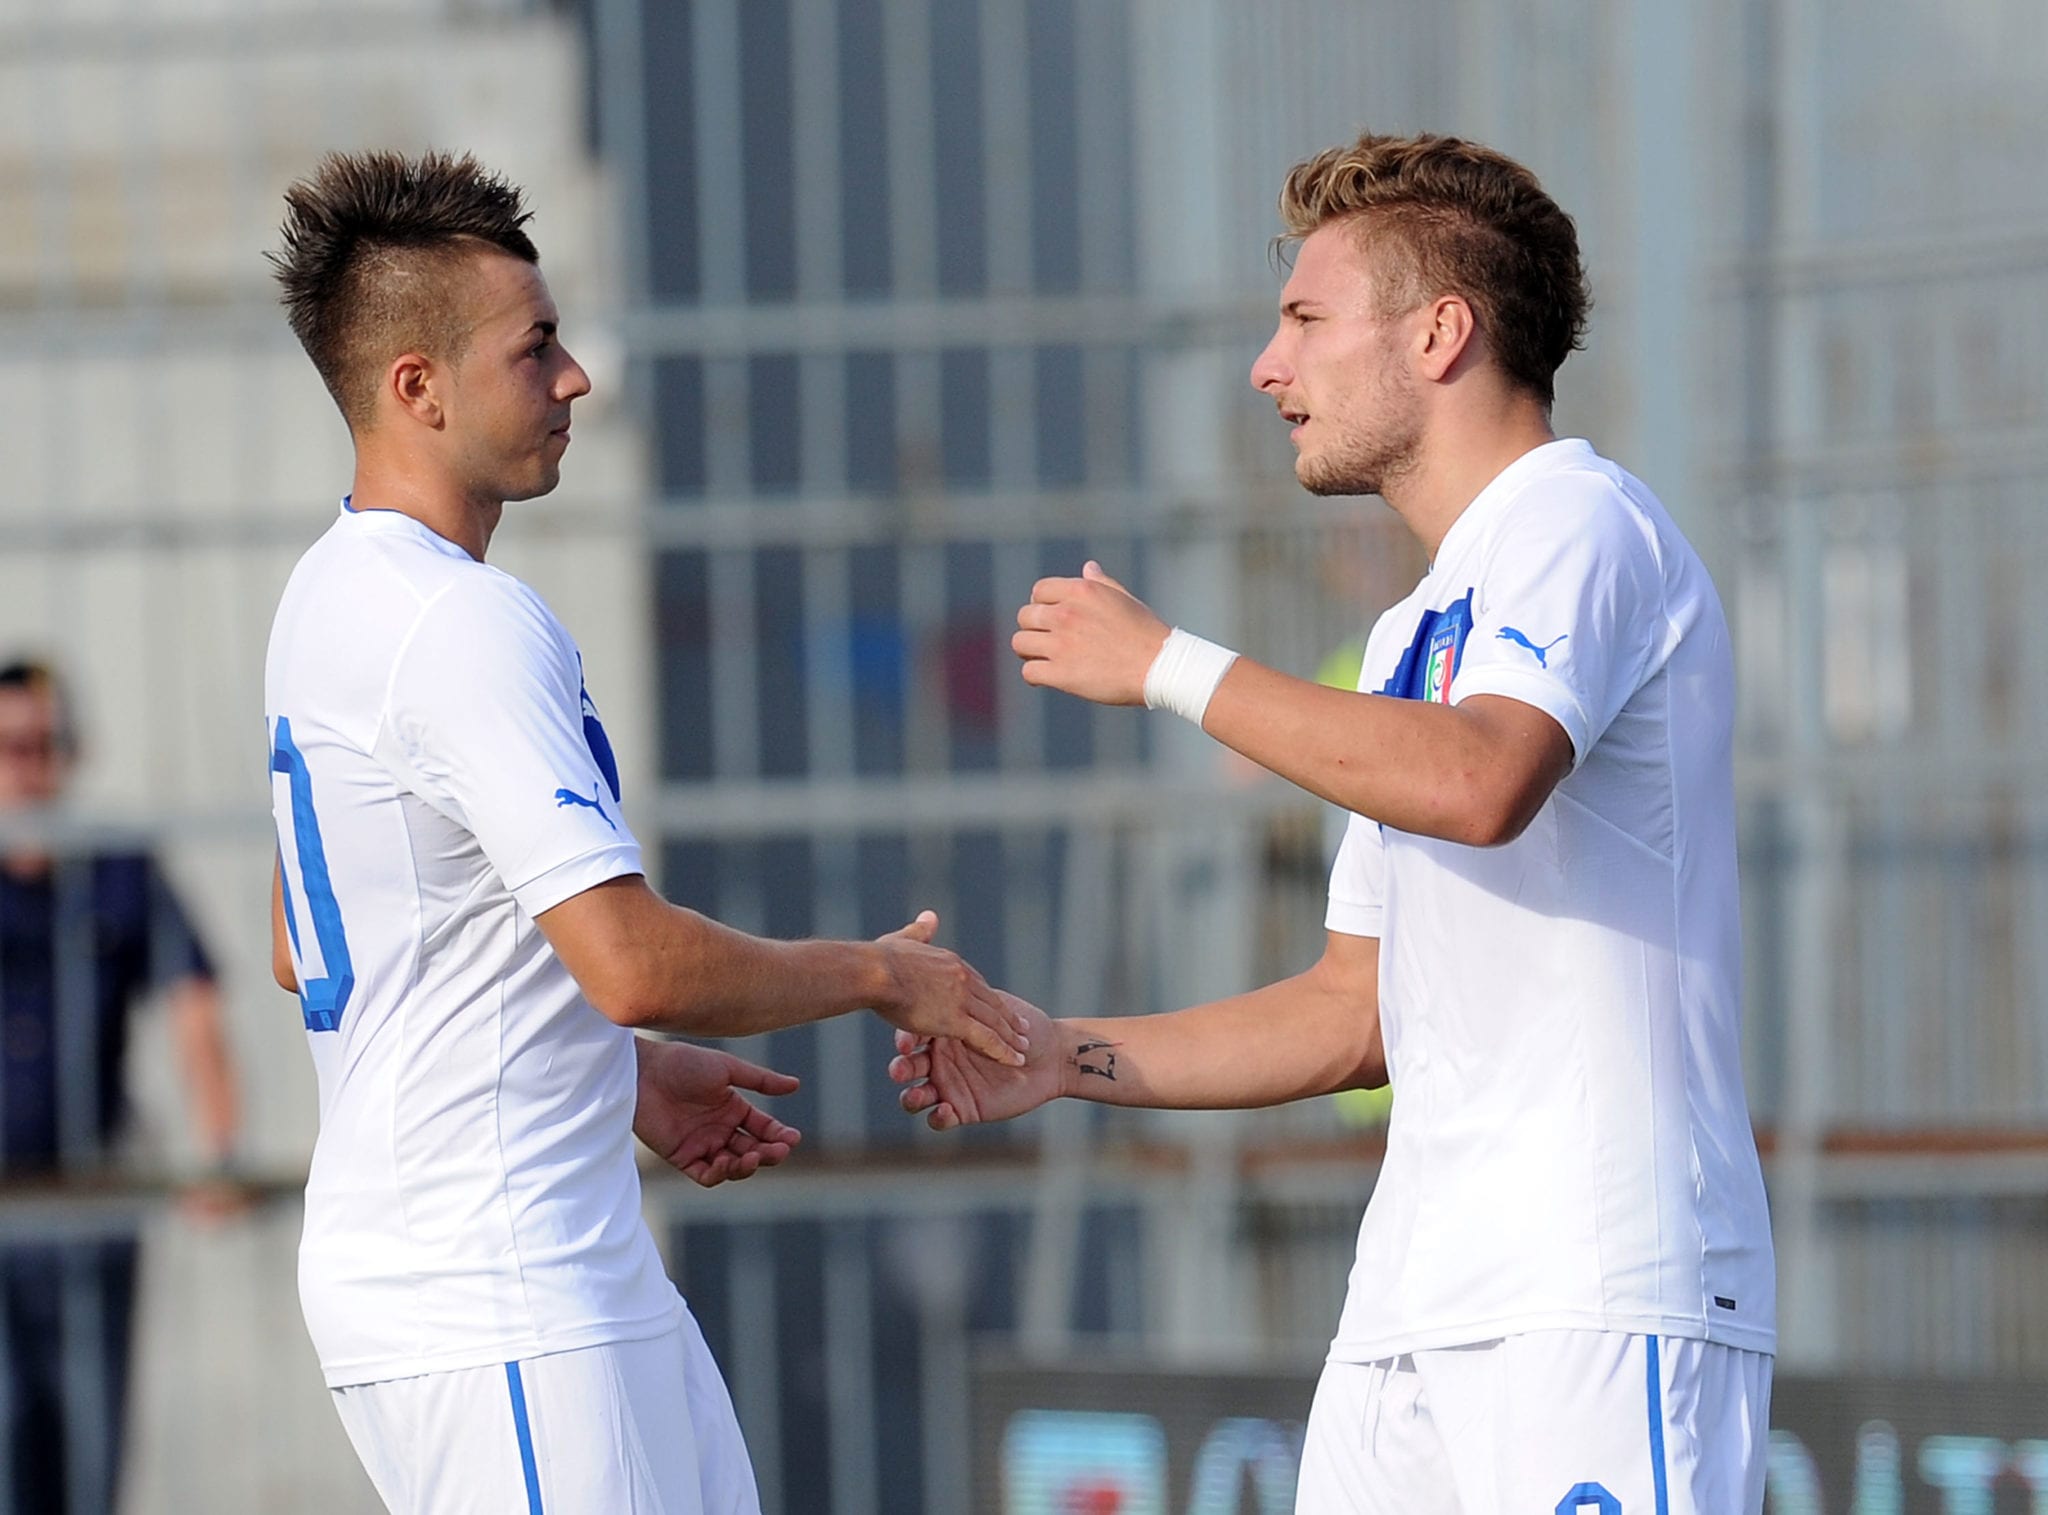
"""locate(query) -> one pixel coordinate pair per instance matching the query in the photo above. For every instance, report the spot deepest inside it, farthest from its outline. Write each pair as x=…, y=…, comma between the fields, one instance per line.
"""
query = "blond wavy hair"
x=1451, y=217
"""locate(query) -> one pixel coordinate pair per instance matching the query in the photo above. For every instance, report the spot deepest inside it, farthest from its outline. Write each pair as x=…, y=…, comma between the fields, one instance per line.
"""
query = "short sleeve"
x=1568, y=616
x=173, y=951
x=488, y=710
x=1358, y=880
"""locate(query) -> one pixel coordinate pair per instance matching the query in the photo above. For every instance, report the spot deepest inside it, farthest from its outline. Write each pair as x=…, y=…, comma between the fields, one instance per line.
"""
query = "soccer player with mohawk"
x=461, y=909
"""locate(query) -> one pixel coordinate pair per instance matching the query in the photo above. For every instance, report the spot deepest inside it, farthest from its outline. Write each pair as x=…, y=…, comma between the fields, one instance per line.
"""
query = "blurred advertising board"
x=1134, y=1441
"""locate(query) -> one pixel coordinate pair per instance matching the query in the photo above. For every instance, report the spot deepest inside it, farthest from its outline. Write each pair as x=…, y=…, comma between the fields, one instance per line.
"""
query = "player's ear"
x=1448, y=328
x=412, y=385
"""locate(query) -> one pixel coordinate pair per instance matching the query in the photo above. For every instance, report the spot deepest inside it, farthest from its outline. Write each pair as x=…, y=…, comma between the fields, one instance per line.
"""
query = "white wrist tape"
x=1183, y=678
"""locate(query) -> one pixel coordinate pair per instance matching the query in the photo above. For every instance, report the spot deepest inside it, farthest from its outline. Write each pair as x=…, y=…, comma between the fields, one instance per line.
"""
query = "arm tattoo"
x=1104, y=1063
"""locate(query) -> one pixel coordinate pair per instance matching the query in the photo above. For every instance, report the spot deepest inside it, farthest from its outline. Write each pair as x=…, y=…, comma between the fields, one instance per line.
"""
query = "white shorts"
x=1547, y=1423
x=630, y=1428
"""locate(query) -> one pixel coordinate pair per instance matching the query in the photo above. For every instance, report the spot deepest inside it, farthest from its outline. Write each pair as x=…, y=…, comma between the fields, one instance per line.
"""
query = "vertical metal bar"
x=734, y=725
x=828, y=644
x=850, y=1370
x=757, y=1370
x=1808, y=1290
x=1052, y=1268
x=1013, y=399
x=913, y=259
x=913, y=206
x=721, y=192
x=2031, y=703
x=618, y=33
x=943, y=1397
x=1177, y=50
x=1101, y=86
x=1665, y=265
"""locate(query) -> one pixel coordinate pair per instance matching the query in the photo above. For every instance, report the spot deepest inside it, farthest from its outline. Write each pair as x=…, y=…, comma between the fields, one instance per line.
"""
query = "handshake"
x=966, y=1052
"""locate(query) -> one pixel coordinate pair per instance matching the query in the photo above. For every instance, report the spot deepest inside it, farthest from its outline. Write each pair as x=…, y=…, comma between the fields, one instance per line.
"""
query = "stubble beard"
x=1374, y=453
x=1365, y=462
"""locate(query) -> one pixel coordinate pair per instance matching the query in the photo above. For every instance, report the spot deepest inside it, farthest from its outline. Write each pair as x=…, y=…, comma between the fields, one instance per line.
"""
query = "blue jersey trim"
x=1435, y=653
x=1657, y=1432
x=519, y=1422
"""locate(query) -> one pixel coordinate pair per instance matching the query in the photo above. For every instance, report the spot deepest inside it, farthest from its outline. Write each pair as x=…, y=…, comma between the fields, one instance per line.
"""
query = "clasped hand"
x=1089, y=637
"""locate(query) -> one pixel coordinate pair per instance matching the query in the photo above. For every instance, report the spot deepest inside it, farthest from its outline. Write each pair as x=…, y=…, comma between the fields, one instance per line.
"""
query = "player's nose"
x=573, y=382
x=1270, y=369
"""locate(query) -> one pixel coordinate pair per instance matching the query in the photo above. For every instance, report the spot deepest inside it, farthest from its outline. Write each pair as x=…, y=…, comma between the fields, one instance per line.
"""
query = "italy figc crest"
x=1441, y=665
x=1431, y=660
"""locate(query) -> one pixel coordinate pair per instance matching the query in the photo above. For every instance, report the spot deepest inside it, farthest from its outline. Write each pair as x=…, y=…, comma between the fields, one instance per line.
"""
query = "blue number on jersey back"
x=322, y=999
x=1584, y=1494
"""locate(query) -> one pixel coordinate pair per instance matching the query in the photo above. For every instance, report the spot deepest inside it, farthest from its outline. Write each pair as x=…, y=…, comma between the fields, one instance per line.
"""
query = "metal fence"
x=899, y=304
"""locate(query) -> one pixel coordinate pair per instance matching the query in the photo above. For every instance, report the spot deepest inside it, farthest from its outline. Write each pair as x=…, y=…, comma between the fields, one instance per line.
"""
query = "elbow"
x=1494, y=817
x=1494, y=829
x=1372, y=1070
x=281, y=970
x=639, y=1002
x=628, y=1005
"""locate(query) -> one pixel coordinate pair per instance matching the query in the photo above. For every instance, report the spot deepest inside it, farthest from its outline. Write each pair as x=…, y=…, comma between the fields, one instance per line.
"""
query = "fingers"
x=1012, y=1026
x=923, y=1099
x=1093, y=571
x=982, y=1020
x=1052, y=591
x=745, y=1075
x=909, y=1041
x=758, y=1125
x=1032, y=644
x=923, y=929
x=1003, y=1005
x=986, y=1040
x=917, y=1098
x=911, y=1069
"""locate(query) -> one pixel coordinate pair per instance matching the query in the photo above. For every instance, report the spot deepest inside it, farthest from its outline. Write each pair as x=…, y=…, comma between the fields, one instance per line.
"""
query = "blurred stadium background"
x=895, y=305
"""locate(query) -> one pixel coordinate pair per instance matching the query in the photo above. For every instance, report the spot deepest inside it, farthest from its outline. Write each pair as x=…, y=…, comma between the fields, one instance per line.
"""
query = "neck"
x=27, y=867
x=1458, y=461
x=430, y=497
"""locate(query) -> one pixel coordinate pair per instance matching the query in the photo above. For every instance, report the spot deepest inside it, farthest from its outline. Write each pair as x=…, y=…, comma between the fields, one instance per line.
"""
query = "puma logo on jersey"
x=1509, y=634
x=571, y=797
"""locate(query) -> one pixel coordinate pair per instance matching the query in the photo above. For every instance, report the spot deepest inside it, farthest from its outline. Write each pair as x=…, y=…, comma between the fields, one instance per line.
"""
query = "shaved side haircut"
x=375, y=246
x=1456, y=218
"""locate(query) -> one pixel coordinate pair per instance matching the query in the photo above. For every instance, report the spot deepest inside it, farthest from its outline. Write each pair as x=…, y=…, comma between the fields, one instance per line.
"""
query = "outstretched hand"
x=939, y=995
x=950, y=1086
x=691, y=1114
x=1088, y=636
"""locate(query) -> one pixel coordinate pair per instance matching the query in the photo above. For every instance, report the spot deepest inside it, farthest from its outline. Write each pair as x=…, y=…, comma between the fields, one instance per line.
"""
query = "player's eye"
x=540, y=350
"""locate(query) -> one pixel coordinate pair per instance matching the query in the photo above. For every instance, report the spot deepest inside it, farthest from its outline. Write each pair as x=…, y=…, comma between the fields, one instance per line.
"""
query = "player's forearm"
x=1427, y=769
x=701, y=978
x=1292, y=1040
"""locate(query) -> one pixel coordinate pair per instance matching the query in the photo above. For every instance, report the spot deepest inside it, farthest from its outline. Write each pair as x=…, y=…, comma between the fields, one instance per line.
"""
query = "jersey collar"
x=398, y=523
x=1509, y=482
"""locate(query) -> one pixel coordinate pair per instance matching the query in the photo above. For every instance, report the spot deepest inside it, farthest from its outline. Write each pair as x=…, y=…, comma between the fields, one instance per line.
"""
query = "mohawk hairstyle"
x=1457, y=218
x=374, y=245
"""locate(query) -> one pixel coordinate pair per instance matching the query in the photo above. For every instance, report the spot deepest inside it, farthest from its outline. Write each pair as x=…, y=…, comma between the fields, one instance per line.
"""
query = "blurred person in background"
x=1564, y=1297
x=84, y=939
x=465, y=916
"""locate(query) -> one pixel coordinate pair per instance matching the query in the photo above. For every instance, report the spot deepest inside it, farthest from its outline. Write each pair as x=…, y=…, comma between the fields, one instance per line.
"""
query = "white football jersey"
x=439, y=777
x=1570, y=1145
